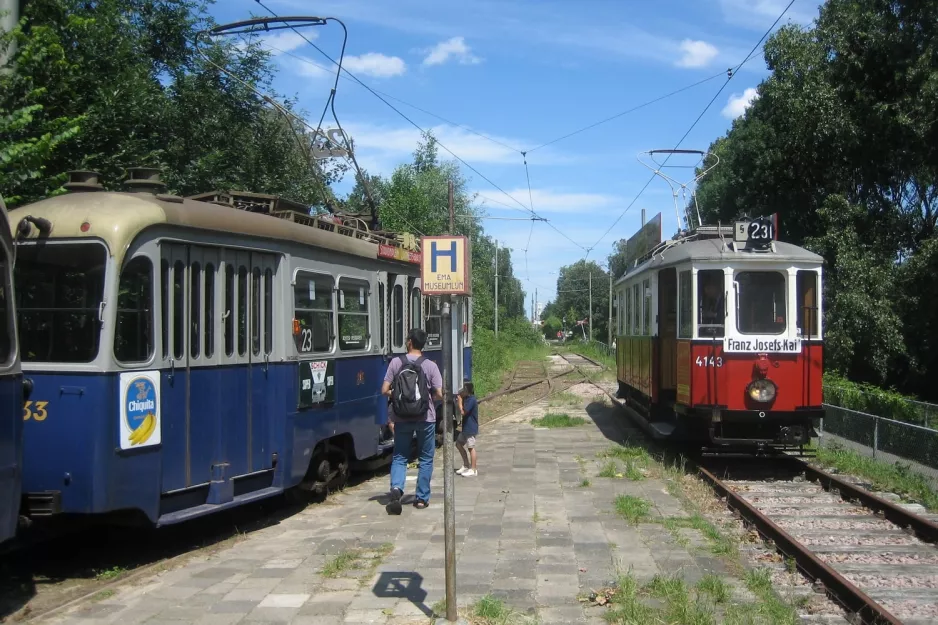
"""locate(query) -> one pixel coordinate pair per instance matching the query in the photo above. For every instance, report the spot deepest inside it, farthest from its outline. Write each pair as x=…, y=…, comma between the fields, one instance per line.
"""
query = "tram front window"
x=58, y=294
x=760, y=302
x=711, y=309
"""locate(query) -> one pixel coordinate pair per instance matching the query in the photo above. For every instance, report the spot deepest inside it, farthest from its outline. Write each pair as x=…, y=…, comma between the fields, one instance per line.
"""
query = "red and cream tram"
x=719, y=336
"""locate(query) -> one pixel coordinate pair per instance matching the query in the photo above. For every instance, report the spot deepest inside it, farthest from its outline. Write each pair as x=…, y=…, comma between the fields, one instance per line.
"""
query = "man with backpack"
x=413, y=383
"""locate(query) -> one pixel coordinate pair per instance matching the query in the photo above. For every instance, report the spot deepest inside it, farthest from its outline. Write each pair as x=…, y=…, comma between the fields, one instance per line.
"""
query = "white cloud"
x=696, y=53
x=548, y=201
x=737, y=104
x=284, y=41
x=454, y=48
x=308, y=68
x=375, y=64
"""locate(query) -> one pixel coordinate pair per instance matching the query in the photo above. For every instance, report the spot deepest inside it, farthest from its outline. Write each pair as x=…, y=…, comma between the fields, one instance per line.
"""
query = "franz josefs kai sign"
x=445, y=268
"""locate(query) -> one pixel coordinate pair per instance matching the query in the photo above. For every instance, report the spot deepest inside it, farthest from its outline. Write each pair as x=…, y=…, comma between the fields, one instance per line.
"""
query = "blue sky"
x=524, y=73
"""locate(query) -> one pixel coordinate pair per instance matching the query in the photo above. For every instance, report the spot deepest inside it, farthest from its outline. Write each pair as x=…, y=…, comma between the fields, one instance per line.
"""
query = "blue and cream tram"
x=11, y=391
x=191, y=355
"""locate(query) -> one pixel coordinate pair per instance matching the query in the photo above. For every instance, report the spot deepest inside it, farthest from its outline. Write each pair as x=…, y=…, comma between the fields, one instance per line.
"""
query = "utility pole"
x=536, y=317
x=589, y=318
x=610, y=309
x=449, y=497
x=496, y=287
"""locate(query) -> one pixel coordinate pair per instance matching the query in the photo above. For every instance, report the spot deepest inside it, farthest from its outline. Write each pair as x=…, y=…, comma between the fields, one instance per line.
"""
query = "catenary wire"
x=731, y=73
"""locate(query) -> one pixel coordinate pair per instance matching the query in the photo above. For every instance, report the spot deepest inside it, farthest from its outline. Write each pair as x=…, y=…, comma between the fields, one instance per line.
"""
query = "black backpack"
x=410, y=394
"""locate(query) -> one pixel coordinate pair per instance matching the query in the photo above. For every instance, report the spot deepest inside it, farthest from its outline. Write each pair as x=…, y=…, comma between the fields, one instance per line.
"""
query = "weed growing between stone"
x=632, y=509
x=491, y=610
x=557, y=420
x=636, y=460
x=351, y=559
x=565, y=399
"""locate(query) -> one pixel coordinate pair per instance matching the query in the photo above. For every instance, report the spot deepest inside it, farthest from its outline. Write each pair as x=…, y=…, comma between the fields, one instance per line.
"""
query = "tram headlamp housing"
x=762, y=391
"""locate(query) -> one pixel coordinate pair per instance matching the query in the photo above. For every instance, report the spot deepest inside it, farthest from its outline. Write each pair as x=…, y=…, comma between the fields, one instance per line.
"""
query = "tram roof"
x=117, y=218
x=716, y=250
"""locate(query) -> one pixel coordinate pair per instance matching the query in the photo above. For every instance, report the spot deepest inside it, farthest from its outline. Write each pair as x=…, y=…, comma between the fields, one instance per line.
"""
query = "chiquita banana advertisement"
x=140, y=409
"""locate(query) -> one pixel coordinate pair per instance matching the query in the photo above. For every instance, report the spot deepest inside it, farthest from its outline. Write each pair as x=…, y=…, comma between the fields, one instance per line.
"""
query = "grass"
x=632, y=509
x=493, y=358
x=557, y=420
x=668, y=599
x=896, y=478
x=109, y=574
x=355, y=559
x=491, y=610
x=720, y=544
x=585, y=483
x=634, y=458
x=565, y=399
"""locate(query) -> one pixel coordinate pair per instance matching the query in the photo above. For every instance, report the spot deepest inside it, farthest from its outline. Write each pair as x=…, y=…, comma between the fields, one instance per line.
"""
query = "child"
x=469, y=408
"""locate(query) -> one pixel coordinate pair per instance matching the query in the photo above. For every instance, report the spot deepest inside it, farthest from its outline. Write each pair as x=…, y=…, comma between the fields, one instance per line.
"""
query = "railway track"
x=875, y=558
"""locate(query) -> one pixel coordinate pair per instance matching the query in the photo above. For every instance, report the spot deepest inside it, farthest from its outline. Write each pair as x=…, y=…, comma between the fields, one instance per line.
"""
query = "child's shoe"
x=469, y=473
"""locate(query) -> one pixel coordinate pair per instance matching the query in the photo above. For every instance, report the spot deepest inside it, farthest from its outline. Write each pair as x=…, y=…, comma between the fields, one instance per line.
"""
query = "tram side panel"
x=12, y=415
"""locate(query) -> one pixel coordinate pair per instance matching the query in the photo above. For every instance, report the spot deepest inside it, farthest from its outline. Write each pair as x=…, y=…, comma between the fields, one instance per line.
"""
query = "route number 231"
x=709, y=362
x=38, y=413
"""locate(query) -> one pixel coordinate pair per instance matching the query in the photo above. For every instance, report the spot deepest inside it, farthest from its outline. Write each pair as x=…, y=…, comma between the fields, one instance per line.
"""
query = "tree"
x=573, y=300
x=118, y=83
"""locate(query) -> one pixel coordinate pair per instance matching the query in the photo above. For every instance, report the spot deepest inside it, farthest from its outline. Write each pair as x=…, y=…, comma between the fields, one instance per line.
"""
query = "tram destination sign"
x=445, y=266
x=756, y=345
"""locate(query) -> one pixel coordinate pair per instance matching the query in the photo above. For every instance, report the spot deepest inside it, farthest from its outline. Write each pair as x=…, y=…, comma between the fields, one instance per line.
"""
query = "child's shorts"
x=466, y=441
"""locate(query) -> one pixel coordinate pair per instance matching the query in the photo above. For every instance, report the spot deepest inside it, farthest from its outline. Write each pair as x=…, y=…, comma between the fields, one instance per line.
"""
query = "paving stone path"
x=528, y=531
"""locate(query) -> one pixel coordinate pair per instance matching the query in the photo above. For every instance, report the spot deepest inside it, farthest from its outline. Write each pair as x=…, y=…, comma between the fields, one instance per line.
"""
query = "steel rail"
x=509, y=391
x=842, y=590
x=925, y=529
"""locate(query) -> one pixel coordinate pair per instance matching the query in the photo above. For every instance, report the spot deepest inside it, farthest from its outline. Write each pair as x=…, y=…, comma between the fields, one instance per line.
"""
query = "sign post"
x=445, y=270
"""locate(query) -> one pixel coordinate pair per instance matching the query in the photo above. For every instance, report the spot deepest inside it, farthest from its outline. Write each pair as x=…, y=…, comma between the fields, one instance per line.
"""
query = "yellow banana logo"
x=143, y=432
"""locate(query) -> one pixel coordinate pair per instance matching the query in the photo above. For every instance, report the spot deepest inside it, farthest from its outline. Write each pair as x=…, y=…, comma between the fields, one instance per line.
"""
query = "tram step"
x=172, y=518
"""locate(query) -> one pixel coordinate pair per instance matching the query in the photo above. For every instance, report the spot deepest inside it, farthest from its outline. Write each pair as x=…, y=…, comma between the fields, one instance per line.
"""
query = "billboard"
x=644, y=241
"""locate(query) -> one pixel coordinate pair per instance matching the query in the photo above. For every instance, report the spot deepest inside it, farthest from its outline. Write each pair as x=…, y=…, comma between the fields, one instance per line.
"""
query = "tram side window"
x=209, y=310
x=397, y=316
x=416, y=313
x=686, y=327
x=256, y=311
x=711, y=305
x=760, y=302
x=195, y=287
x=179, y=313
x=380, y=316
x=268, y=311
x=228, y=318
x=625, y=319
x=637, y=310
x=6, y=328
x=807, y=304
x=133, y=336
x=312, y=302
x=353, y=315
x=646, y=315
x=242, y=310
x=164, y=305
x=434, y=322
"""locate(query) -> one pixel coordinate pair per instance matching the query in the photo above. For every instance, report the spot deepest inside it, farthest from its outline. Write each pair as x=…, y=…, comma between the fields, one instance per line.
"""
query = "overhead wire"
x=731, y=73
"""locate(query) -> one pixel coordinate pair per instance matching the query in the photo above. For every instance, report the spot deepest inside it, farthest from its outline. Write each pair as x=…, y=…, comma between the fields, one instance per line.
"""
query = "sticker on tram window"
x=140, y=420
x=35, y=410
x=317, y=382
x=709, y=362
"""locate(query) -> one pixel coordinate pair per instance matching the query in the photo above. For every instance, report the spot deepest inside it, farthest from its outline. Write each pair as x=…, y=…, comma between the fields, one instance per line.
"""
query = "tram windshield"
x=760, y=302
x=59, y=289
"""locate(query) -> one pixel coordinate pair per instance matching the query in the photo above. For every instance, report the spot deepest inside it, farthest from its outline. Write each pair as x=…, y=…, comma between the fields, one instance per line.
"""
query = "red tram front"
x=719, y=336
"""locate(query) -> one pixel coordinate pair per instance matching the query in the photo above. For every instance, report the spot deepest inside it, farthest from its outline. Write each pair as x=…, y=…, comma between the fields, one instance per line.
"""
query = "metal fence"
x=908, y=410
x=884, y=439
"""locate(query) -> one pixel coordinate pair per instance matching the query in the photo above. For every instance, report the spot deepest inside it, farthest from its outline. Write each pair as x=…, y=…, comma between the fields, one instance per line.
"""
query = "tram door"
x=398, y=313
x=174, y=387
x=262, y=400
x=667, y=333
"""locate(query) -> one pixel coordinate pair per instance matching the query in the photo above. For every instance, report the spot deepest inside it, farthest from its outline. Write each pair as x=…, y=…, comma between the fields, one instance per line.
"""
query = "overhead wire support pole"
x=449, y=495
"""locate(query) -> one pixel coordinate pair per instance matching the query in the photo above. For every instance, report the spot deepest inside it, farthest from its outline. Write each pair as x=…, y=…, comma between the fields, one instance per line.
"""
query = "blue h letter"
x=434, y=253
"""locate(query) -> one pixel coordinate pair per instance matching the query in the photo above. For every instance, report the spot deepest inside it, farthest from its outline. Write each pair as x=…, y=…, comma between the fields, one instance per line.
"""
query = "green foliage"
x=118, y=83
x=840, y=142
x=552, y=325
x=839, y=391
x=573, y=298
x=492, y=357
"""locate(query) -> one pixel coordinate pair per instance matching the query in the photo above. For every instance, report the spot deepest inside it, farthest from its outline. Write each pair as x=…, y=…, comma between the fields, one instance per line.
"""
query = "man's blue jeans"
x=426, y=438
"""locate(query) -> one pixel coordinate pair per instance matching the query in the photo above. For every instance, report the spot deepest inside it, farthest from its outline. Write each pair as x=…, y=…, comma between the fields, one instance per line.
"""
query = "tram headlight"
x=762, y=391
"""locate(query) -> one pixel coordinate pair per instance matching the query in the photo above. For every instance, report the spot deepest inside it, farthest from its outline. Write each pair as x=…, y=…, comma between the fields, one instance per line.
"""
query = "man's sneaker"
x=394, y=506
x=469, y=473
x=462, y=470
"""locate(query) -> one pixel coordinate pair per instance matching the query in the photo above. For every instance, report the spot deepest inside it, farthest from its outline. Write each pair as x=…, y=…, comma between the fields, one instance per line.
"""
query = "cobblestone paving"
x=528, y=531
